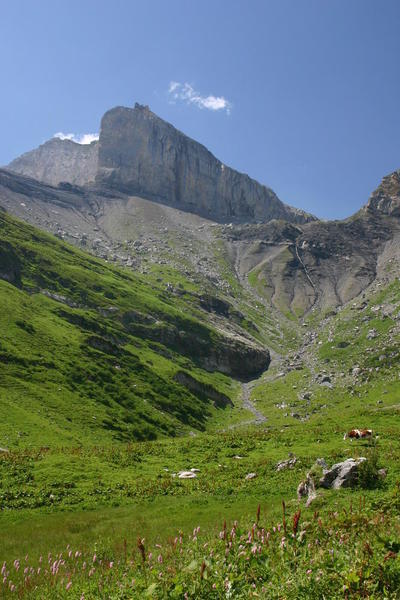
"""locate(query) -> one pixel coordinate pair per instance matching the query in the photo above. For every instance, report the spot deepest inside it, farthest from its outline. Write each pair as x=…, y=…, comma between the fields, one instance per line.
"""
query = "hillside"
x=92, y=352
x=172, y=381
x=343, y=374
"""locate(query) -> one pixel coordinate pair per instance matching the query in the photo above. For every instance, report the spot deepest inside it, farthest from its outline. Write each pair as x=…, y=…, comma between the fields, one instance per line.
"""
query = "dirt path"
x=247, y=404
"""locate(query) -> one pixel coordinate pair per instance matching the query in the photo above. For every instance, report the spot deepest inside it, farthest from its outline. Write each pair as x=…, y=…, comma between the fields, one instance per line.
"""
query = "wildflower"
x=296, y=519
x=94, y=557
x=68, y=585
x=91, y=572
x=84, y=566
x=160, y=558
x=202, y=569
x=142, y=550
x=309, y=571
x=283, y=542
x=111, y=564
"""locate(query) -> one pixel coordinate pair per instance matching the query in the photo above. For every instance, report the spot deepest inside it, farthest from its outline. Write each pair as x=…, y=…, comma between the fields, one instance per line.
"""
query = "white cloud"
x=186, y=93
x=79, y=138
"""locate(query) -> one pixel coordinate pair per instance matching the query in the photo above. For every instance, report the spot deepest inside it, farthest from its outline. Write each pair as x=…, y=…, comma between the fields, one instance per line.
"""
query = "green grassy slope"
x=61, y=366
x=79, y=351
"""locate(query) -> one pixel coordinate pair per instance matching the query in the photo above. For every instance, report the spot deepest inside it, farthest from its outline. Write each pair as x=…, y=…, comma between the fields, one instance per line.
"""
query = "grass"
x=97, y=429
x=90, y=351
x=347, y=553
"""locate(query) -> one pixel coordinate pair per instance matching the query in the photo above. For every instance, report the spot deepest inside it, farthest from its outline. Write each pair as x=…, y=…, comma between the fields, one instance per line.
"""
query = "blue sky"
x=303, y=95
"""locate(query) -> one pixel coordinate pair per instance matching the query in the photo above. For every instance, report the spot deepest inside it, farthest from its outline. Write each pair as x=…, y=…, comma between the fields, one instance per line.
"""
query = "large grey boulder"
x=342, y=474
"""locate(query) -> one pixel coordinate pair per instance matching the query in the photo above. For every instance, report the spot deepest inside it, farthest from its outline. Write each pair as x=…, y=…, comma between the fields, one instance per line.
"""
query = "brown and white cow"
x=358, y=434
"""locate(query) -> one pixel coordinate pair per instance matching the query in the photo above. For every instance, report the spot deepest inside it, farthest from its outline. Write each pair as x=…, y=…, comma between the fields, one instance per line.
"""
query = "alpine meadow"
x=199, y=382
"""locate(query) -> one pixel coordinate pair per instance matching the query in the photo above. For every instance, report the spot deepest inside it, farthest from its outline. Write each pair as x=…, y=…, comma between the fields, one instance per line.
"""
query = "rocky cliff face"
x=59, y=160
x=386, y=198
x=142, y=155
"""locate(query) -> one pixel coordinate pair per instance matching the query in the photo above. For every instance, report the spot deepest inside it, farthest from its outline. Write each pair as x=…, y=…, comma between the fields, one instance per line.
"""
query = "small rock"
x=307, y=488
x=286, y=464
x=186, y=475
x=382, y=473
x=251, y=476
x=322, y=463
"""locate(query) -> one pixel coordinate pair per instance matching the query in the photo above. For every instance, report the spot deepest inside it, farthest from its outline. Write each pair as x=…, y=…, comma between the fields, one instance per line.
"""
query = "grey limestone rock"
x=386, y=198
x=58, y=161
x=143, y=155
x=342, y=474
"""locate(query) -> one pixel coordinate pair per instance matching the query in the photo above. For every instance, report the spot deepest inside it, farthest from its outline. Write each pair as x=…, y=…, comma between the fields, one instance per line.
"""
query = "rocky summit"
x=59, y=160
x=141, y=155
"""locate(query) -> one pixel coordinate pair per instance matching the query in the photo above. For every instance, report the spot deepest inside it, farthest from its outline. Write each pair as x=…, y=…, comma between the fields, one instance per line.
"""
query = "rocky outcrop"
x=386, y=198
x=142, y=155
x=344, y=474
x=10, y=265
x=229, y=354
x=59, y=160
x=204, y=391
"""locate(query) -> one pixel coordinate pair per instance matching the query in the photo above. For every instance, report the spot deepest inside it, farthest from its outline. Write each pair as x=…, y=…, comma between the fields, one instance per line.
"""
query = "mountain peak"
x=386, y=198
x=143, y=155
x=59, y=160
x=140, y=154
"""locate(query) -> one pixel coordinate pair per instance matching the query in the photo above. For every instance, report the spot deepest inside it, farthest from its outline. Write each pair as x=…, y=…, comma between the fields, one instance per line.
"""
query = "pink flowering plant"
x=351, y=554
